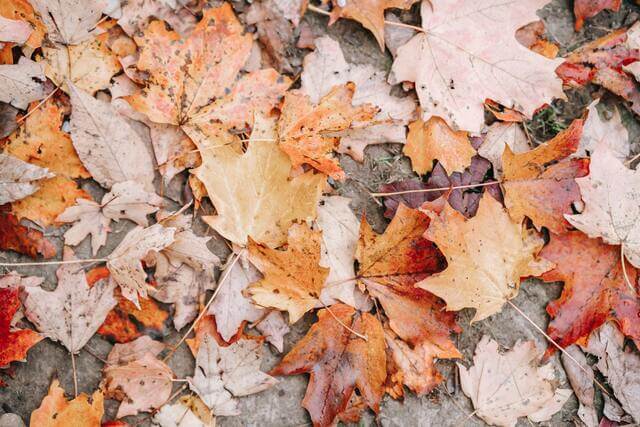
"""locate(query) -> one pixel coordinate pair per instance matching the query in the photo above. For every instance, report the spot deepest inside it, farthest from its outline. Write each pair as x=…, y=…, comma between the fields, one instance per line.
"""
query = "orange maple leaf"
x=56, y=411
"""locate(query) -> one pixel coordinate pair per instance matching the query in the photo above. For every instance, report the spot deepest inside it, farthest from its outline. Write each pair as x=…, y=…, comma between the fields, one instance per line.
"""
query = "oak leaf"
x=305, y=130
x=585, y=9
x=610, y=193
x=22, y=83
x=73, y=312
x=56, y=411
x=21, y=239
x=293, y=279
x=252, y=192
x=224, y=372
x=475, y=56
x=544, y=193
x=338, y=362
x=435, y=140
x=504, y=387
x=70, y=22
x=14, y=343
x=18, y=179
x=593, y=293
x=486, y=255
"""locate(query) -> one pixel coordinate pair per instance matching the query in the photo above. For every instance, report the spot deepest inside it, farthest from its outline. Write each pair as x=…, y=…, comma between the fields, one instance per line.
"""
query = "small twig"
x=92, y=353
x=390, y=23
x=431, y=190
x=70, y=261
x=359, y=335
x=46, y=98
x=624, y=271
x=75, y=374
x=631, y=160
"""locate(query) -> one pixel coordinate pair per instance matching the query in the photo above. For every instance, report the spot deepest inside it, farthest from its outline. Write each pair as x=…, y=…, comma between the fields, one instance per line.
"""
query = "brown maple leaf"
x=21, y=239
x=14, y=344
x=595, y=289
x=338, y=362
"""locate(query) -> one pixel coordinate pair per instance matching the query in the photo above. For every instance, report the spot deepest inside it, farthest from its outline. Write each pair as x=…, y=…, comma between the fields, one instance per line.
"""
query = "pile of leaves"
x=162, y=113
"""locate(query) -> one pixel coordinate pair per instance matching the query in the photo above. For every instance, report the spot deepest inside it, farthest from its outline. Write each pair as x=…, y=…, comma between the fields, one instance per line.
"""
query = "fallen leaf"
x=593, y=293
x=247, y=188
x=207, y=327
x=504, y=387
x=596, y=130
x=500, y=135
x=124, y=262
x=581, y=383
x=326, y=68
x=434, y=140
x=8, y=122
x=224, y=372
x=533, y=37
x=274, y=327
x=304, y=129
x=136, y=15
x=14, y=31
x=18, y=179
x=121, y=354
x=541, y=192
x=369, y=13
x=585, y=9
x=293, y=279
x=14, y=342
x=125, y=200
x=476, y=56
x=181, y=414
x=486, y=255
x=21, y=239
x=396, y=36
x=56, y=411
x=70, y=22
x=141, y=385
x=338, y=362
x=73, y=312
x=23, y=11
x=610, y=193
x=108, y=147
x=22, y=83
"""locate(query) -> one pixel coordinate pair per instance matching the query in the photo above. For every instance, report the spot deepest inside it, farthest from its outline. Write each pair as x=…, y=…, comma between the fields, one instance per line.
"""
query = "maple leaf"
x=338, y=362
x=124, y=262
x=205, y=68
x=21, y=239
x=610, y=194
x=14, y=343
x=593, y=292
x=581, y=383
x=500, y=135
x=224, y=372
x=326, y=67
x=596, y=130
x=56, y=411
x=434, y=140
x=142, y=384
x=22, y=83
x=73, y=312
x=121, y=354
x=18, y=179
x=21, y=10
x=304, y=129
x=544, y=194
x=187, y=411
x=486, y=256
x=475, y=56
x=585, y=9
x=125, y=200
x=293, y=279
x=369, y=13
x=252, y=192
x=70, y=21
x=274, y=327
x=136, y=15
x=14, y=31
x=504, y=387
x=108, y=147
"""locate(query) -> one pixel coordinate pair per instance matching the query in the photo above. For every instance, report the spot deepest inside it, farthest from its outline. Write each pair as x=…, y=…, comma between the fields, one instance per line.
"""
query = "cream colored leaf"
x=18, y=179
x=326, y=67
x=582, y=384
x=108, y=147
x=610, y=132
x=74, y=311
x=126, y=200
x=122, y=354
x=469, y=53
x=124, y=262
x=274, y=327
x=136, y=15
x=22, y=83
x=252, y=192
x=224, y=372
x=70, y=21
x=610, y=192
x=504, y=387
x=177, y=415
x=14, y=31
x=498, y=136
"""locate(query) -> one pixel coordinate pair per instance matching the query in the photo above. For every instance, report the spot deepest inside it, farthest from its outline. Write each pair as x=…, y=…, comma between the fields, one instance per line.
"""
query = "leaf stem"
x=624, y=271
x=390, y=23
x=70, y=261
x=75, y=374
x=431, y=190
x=359, y=335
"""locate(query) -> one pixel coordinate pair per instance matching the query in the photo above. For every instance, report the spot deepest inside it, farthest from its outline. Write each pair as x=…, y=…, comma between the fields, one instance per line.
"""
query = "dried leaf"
x=610, y=132
x=501, y=135
x=22, y=83
x=70, y=21
x=581, y=383
x=486, y=255
x=293, y=279
x=14, y=31
x=121, y=354
x=21, y=239
x=504, y=387
x=18, y=179
x=338, y=363
x=136, y=15
x=73, y=312
x=21, y=10
x=274, y=327
x=585, y=9
x=8, y=122
x=182, y=414
x=56, y=411
x=476, y=57
x=14, y=343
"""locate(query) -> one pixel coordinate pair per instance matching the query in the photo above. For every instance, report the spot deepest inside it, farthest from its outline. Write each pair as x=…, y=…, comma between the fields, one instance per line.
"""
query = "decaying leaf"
x=121, y=354
x=458, y=63
x=70, y=21
x=596, y=130
x=293, y=279
x=73, y=312
x=56, y=411
x=14, y=343
x=18, y=179
x=434, y=140
x=500, y=135
x=585, y=9
x=125, y=200
x=22, y=83
x=224, y=372
x=610, y=193
x=504, y=387
x=22, y=10
x=136, y=15
x=188, y=411
x=22, y=239
x=581, y=383
x=14, y=31
x=486, y=255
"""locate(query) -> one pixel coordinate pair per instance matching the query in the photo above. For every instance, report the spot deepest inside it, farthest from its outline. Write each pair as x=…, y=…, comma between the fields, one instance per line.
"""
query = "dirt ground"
x=280, y=406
